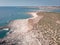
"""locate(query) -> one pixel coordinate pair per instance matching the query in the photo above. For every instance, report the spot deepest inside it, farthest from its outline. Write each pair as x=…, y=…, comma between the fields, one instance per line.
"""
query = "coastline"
x=25, y=23
x=33, y=14
x=33, y=27
x=23, y=27
x=22, y=24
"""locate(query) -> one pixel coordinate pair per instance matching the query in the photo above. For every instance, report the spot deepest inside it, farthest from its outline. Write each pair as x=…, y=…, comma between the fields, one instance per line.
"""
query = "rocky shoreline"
x=41, y=29
x=19, y=28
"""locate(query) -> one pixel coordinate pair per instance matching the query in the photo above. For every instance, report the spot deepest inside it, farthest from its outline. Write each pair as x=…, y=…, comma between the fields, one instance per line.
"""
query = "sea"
x=10, y=13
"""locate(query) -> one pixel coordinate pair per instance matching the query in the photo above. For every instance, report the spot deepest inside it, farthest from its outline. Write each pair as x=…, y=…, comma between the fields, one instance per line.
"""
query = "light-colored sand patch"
x=34, y=14
x=35, y=17
x=58, y=21
x=20, y=25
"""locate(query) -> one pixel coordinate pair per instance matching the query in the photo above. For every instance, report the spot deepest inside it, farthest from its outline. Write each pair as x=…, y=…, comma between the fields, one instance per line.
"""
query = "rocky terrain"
x=42, y=29
x=50, y=27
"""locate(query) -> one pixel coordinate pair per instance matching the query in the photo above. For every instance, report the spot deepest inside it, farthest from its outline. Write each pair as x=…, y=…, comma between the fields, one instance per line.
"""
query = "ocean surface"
x=12, y=13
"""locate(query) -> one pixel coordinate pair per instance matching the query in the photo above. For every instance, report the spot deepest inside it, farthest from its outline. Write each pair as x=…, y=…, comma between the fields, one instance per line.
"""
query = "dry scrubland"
x=49, y=25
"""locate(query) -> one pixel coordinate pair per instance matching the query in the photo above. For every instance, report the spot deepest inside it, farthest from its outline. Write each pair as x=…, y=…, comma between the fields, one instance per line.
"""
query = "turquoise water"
x=12, y=13
x=3, y=33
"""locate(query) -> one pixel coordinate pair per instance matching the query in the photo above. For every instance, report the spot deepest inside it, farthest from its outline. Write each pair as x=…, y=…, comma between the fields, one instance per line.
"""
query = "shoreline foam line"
x=34, y=15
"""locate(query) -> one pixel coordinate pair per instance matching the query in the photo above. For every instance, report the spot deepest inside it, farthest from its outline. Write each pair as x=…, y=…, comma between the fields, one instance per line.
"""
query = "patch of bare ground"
x=50, y=27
